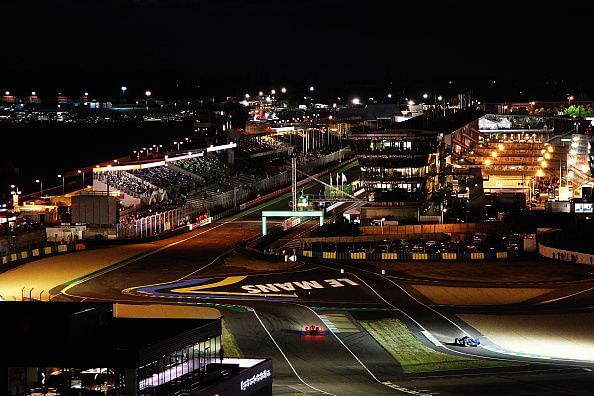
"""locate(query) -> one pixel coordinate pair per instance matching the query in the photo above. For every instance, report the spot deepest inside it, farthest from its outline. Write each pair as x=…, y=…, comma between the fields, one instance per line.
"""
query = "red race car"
x=312, y=330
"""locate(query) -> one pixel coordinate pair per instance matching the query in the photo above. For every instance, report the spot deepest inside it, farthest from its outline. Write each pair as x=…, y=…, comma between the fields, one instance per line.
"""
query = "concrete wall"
x=374, y=238
x=461, y=228
x=565, y=255
x=434, y=257
x=39, y=253
x=401, y=213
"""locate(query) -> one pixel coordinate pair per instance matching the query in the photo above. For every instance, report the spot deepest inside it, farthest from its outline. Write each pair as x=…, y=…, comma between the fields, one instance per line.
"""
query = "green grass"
x=413, y=355
x=229, y=343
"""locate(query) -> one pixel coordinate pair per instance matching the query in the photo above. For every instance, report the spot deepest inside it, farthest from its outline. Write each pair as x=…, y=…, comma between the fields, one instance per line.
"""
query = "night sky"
x=226, y=47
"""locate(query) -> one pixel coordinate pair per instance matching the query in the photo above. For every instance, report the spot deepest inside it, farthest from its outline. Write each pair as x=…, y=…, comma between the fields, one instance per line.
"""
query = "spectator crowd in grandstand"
x=209, y=170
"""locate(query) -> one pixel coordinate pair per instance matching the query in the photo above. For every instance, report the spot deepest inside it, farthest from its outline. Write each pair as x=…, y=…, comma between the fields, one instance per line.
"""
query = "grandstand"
x=209, y=170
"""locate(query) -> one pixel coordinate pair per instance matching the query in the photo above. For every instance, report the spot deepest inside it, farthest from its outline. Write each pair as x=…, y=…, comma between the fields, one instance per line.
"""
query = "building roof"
x=436, y=121
x=372, y=111
x=87, y=334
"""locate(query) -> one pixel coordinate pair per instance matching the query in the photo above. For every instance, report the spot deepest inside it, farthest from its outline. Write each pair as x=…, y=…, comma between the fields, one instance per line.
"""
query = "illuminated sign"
x=261, y=376
x=221, y=147
x=583, y=208
x=181, y=157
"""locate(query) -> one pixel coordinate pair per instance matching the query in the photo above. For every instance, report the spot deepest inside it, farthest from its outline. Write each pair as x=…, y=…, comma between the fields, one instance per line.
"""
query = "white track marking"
x=205, y=266
x=422, y=328
x=285, y=356
x=400, y=388
x=564, y=297
x=142, y=256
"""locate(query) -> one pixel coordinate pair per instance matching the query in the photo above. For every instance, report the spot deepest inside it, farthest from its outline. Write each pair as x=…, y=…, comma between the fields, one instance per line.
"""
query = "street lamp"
x=425, y=96
x=124, y=89
x=83, y=176
x=40, y=182
x=15, y=192
x=62, y=177
x=284, y=90
x=311, y=88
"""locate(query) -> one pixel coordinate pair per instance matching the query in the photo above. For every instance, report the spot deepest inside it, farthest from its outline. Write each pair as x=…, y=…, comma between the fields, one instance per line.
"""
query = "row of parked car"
x=480, y=243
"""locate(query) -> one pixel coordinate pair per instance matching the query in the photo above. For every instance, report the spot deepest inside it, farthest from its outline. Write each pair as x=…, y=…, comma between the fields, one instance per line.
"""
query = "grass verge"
x=229, y=343
x=412, y=355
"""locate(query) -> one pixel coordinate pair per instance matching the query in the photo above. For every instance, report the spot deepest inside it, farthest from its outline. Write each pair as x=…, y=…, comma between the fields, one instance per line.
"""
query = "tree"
x=579, y=111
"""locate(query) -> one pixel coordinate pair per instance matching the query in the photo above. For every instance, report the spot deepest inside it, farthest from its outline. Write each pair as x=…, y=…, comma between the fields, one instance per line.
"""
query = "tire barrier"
x=41, y=252
x=365, y=256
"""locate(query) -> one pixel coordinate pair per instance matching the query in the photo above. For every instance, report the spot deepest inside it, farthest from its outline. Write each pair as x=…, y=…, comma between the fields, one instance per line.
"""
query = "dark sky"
x=233, y=45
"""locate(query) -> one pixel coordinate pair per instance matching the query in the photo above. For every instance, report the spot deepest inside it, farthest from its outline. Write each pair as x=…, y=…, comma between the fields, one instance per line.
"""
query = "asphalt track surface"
x=187, y=269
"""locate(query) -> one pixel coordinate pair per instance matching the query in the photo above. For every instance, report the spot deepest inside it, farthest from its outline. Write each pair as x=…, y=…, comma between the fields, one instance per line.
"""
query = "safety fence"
x=41, y=252
x=366, y=256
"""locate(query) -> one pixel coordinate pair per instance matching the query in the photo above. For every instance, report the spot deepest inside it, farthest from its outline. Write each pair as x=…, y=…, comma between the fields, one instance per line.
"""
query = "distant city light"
x=148, y=93
x=247, y=95
x=410, y=103
x=439, y=97
x=356, y=101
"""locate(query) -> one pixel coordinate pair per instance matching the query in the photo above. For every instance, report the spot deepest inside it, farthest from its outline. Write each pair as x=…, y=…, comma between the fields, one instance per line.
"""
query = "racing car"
x=313, y=330
x=467, y=341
